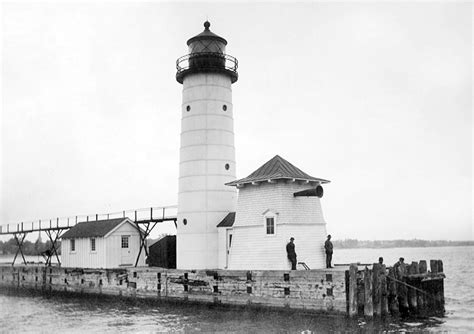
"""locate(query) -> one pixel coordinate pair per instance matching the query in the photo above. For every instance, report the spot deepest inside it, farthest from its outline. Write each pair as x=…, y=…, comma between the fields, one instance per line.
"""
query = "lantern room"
x=206, y=55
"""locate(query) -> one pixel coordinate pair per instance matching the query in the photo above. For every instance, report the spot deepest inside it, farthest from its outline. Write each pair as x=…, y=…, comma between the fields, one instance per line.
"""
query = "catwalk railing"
x=152, y=214
x=54, y=227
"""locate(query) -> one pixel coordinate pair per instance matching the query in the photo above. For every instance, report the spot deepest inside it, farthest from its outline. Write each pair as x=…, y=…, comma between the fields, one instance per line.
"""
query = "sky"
x=376, y=97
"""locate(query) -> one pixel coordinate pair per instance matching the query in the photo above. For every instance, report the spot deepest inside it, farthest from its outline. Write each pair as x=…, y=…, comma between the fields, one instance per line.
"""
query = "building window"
x=92, y=244
x=73, y=245
x=270, y=224
x=125, y=241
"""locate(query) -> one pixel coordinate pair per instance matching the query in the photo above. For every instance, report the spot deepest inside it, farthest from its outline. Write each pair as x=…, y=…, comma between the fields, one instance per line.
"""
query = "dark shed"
x=163, y=253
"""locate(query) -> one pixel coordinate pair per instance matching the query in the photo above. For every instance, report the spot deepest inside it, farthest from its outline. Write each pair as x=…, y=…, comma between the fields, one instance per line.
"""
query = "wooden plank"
x=368, y=293
x=352, y=290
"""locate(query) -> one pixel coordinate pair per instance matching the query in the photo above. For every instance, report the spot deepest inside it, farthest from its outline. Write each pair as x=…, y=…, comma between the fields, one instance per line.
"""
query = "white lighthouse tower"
x=207, y=152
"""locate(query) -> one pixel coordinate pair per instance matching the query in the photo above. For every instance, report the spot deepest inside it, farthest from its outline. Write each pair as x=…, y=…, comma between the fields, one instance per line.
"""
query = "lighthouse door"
x=228, y=246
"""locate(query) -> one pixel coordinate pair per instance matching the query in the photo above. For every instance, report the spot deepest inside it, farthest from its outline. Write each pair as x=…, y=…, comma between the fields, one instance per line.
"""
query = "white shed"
x=108, y=243
x=276, y=202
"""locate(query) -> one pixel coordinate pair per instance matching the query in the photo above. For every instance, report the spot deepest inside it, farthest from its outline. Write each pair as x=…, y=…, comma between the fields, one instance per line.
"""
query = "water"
x=36, y=313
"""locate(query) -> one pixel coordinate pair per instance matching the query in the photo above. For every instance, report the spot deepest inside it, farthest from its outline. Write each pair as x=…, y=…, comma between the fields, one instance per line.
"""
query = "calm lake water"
x=24, y=313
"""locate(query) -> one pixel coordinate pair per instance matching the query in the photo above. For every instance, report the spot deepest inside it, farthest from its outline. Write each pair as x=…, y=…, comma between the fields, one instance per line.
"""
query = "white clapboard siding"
x=109, y=252
x=114, y=247
x=83, y=256
x=298, y=217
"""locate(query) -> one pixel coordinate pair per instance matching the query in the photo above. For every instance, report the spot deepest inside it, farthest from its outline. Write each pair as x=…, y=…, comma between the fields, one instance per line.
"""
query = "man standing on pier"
x=328, y=247
x=290, y=251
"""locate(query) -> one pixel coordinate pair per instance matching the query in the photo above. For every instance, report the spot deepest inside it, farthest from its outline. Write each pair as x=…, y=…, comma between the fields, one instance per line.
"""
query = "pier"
x=370, y=292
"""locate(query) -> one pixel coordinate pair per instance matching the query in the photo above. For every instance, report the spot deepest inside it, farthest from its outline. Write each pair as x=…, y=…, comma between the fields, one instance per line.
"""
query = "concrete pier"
x=344, y=290
x=311, y=290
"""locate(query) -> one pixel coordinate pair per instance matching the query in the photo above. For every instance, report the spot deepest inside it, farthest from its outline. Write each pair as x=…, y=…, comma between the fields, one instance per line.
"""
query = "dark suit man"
x=290, y=251
x=328, y=247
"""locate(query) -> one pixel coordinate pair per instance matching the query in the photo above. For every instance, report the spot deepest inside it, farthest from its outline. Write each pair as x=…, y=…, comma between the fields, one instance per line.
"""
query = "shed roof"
x=97, y=228
x=228, y=220
x=275, y=169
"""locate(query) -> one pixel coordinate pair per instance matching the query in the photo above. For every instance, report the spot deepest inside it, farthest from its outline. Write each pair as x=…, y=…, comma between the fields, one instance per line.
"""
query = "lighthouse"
x=207, y=152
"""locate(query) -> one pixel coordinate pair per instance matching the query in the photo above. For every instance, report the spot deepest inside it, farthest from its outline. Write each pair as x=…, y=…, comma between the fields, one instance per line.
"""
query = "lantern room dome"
x=207, y=34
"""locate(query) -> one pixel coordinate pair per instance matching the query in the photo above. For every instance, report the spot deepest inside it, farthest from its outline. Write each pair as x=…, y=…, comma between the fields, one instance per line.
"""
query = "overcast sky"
x=375, y=97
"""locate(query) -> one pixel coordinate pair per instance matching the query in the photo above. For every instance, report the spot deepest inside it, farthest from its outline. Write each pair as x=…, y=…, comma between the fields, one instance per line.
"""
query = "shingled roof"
x=97, y=228
x=276, y=168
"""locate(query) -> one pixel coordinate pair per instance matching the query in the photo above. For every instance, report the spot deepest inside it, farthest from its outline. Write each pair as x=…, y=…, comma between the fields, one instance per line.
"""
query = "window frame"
x=72, y=245
x=93, y=242
x=270, y=215
x=125, y=237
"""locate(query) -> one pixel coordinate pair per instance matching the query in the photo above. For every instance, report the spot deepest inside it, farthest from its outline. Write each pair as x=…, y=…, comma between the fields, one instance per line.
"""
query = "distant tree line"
x=354, y=243
x=29, y=248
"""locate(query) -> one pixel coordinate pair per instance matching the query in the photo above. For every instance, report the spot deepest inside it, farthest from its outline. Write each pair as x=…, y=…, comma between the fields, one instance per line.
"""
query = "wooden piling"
x=377, y=289
x=440, y=266
x=412, y=298
x=422, y=267
x=352, y=296
x=441, y=294
x=392, y=292
x=384, y=290
x=434, y=266
x=420, y=296
x=360, y=292
x=402, y=289
x=429, y=300
x=441, y=286
x=368, y=293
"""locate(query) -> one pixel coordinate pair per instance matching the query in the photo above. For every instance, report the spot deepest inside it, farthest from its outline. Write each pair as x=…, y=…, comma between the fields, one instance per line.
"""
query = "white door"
x=126, y=256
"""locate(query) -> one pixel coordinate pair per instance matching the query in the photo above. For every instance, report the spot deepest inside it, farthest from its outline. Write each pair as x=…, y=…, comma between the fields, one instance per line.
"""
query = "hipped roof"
x=277, y=168
x=96, y=228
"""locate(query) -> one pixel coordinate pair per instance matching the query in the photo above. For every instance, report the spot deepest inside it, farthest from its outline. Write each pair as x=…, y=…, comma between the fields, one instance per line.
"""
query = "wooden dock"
x=410, y=290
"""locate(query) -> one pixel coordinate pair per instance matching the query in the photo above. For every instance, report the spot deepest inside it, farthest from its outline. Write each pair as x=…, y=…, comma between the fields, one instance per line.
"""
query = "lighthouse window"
x=224, y=107
x=270, y=225
x=227, y=166
x=188, y=108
